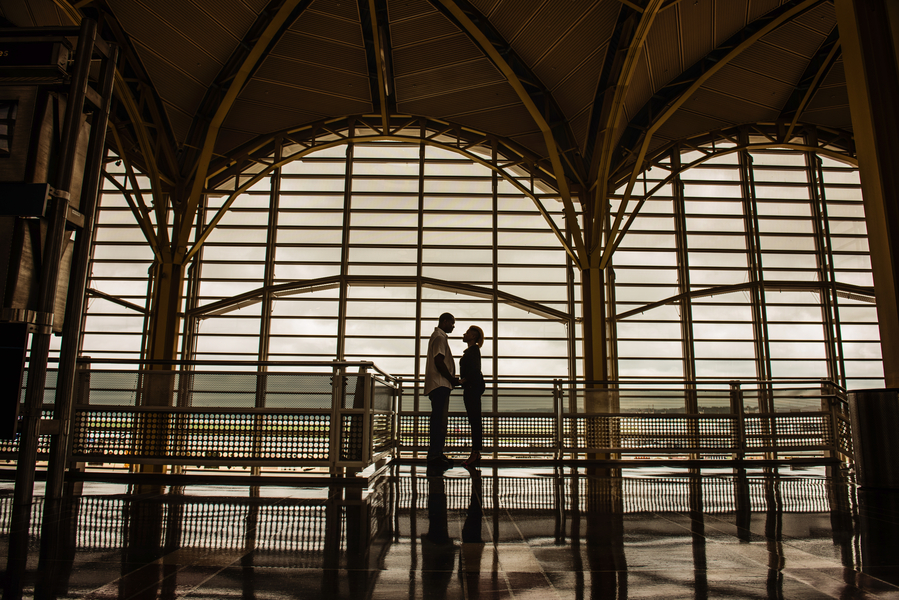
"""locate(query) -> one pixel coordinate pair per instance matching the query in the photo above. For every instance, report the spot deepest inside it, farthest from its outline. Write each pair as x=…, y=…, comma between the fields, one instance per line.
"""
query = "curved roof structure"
x=586, y=86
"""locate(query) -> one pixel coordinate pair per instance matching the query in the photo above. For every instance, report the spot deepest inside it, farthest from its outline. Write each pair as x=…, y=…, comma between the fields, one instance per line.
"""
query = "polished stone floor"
x=497, y=532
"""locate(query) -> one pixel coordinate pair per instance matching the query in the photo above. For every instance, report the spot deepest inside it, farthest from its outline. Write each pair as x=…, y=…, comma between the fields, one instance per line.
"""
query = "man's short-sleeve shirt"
x=438, y=344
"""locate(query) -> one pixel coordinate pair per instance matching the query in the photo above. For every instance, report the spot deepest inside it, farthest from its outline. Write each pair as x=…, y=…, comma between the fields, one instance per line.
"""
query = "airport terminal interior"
x=229, y=229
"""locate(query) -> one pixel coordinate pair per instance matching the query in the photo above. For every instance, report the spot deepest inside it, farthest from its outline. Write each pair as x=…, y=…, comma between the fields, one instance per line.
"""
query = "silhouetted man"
x=440, y=379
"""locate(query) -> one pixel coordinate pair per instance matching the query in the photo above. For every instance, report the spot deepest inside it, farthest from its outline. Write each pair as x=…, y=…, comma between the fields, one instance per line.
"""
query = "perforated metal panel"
x=166, y=434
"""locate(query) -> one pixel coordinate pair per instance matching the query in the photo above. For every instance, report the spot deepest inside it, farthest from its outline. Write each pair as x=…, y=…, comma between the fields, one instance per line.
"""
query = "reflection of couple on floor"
x=440, y=379
x=438, y=554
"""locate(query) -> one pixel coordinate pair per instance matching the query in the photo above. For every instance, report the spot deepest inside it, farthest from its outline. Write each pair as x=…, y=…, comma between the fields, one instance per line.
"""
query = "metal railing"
x=339, y=415
x=633, y=419
x=349, y=415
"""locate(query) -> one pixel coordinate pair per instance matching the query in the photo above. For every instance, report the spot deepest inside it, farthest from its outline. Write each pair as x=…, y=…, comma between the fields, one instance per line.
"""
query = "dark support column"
x=60, y=447
x=57, y=210
x=868, y=34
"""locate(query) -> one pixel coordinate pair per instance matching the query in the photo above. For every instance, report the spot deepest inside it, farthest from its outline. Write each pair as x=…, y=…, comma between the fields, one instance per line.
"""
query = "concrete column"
x=868, y=33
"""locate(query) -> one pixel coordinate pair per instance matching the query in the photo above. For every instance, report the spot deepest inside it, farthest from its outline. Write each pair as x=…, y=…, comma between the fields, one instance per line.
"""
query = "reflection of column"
x=438, y=553
x=774, y=533
x=742, y=506
x=697, y=528
x=248, y=573
x=471, y=534
x=57, y=554
x=841, y=521
x=172, y=541
x=471, y=529
x=142, y=538
x=877, y=510
x=331, y=551
x=605, y=537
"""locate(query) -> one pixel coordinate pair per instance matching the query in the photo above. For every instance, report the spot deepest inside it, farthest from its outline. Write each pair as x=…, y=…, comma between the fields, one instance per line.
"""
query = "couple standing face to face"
x=474, y=334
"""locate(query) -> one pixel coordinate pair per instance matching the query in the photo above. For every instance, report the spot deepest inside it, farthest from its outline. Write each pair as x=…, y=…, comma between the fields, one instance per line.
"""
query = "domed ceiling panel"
x=757, y=8
x=751, y=86
x=466, y=101
x=733, y=110
x=730, y=17
x=26, y=13
x=662, y=39
x=320, y=21
x=571, y=68
x=697, y=18
x=420, y=27
x=437, y=81
x=774, y=62
x=438, y=70
x=796, y=38
x=552, y=24
x=577, y=91
x=416, y=58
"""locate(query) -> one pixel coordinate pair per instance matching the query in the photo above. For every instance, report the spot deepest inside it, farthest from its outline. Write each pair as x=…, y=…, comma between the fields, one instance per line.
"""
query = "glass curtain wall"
x=753, y=264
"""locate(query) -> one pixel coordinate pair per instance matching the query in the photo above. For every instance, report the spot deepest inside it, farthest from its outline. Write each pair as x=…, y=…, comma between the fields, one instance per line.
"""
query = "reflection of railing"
x=720, y=494
x=733, y=419
x=337, y=415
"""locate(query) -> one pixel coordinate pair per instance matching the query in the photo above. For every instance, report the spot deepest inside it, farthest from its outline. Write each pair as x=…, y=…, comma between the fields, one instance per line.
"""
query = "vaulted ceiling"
x=596, y=79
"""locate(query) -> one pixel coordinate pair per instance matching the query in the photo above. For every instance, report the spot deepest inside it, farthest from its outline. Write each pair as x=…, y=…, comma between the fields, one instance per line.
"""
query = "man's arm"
x=440, y=364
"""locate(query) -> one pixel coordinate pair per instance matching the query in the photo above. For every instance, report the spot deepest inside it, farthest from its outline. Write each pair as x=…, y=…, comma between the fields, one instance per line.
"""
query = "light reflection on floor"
x=504, y=532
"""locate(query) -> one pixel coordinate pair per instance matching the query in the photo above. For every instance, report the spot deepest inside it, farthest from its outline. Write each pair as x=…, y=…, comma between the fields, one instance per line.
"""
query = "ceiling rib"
x=611, y=114
x=810, y=82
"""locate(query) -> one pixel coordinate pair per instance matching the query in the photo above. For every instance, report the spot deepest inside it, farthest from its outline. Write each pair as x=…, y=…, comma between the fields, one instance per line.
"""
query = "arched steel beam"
x=376, y=37
x=336, y=138
x=328, y=283
x=846, y=290
x=810, y=82
x=773, y=144
x=612, y=109
x=662, y=107
x=827, y=137
x=536, y=99
x=286, y=13
x=215, y=95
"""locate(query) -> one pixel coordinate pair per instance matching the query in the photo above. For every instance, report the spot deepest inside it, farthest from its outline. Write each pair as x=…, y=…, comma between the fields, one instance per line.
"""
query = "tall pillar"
x=159, y=384
x=869, y=30
x=597, y=352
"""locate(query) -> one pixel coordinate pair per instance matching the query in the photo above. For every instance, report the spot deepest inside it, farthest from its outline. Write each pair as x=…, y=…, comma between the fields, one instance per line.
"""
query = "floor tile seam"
x=712, y=541
x=838, y=579
x=789, y=572
x=786, y=540
x=160, y=562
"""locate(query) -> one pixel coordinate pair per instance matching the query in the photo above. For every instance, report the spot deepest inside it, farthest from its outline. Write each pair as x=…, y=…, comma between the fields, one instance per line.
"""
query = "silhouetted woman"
x=472, y=390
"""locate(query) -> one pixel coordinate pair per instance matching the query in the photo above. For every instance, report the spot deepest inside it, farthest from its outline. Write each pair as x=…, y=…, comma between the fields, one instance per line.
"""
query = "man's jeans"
x=439, y=421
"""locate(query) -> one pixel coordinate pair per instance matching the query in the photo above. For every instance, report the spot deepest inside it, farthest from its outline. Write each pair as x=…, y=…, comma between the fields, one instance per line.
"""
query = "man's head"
x=447, y=322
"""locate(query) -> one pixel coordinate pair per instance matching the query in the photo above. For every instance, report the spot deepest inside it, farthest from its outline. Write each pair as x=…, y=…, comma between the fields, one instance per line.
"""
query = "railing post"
x=830, y=405
x=337, y=396
x=396, y=405
x=367, y=381
x=736, y=407
x=557, y=409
